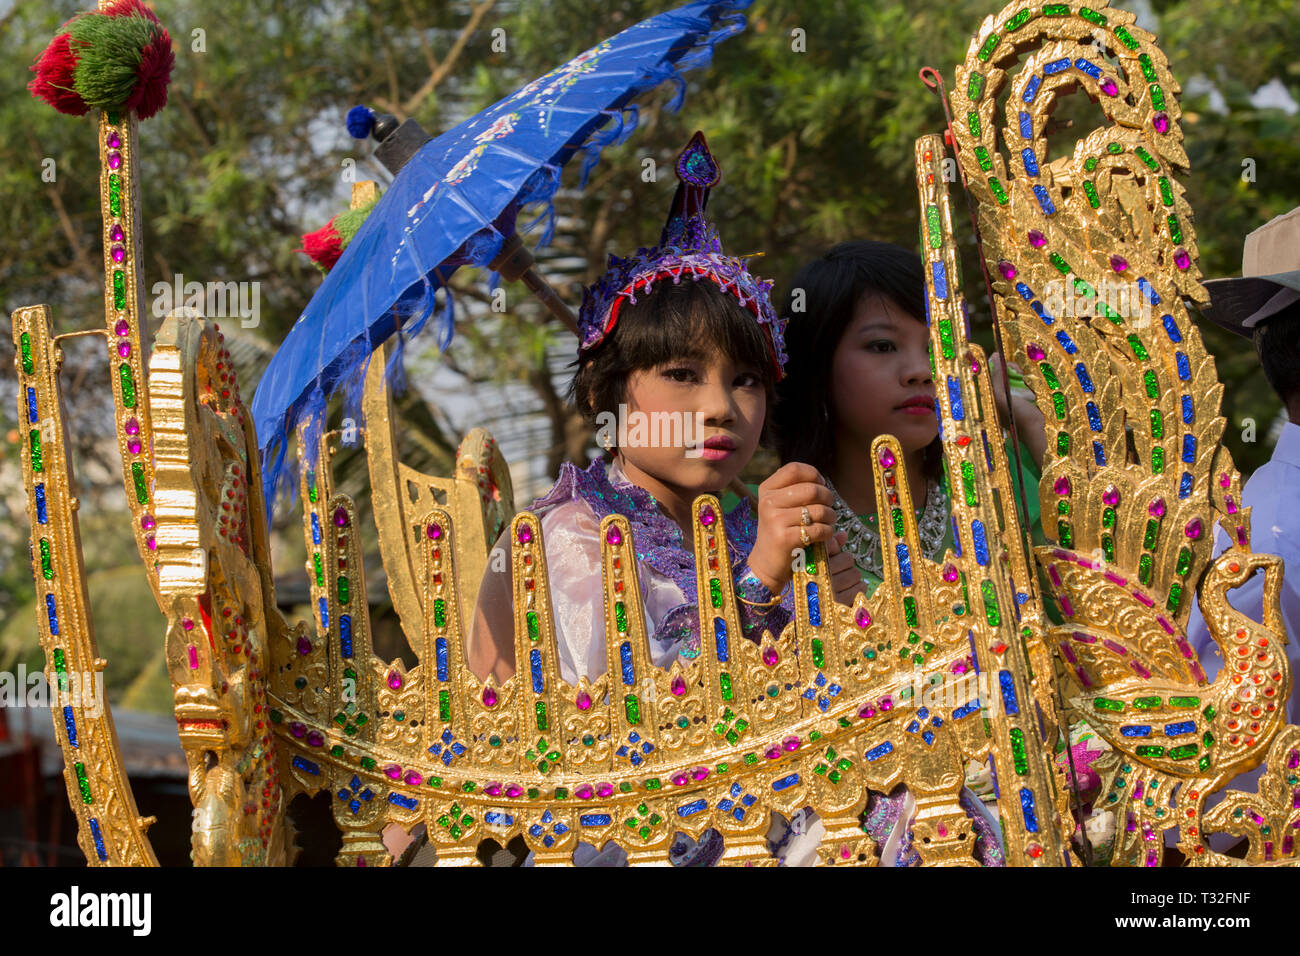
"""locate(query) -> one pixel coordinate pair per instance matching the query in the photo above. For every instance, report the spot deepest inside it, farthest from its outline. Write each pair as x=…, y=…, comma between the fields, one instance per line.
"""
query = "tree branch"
x=476, y=16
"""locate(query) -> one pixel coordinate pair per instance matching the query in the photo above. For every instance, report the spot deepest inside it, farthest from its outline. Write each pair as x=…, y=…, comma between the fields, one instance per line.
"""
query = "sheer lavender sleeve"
x=758, y=608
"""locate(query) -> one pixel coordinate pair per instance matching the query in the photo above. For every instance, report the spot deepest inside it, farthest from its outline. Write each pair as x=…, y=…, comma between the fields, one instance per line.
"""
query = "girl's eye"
x=748, y=380
x=679, y=374
x=881, y=345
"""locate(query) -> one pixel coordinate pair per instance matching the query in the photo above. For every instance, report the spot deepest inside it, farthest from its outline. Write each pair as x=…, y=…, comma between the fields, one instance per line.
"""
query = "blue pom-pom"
x=360, y=121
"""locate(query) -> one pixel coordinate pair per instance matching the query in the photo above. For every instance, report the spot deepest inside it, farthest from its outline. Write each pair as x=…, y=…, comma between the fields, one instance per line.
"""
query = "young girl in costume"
x=679, y=328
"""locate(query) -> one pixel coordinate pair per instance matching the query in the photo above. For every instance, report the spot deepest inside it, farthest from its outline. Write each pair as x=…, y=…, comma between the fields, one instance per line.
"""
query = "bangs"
x=692, y=319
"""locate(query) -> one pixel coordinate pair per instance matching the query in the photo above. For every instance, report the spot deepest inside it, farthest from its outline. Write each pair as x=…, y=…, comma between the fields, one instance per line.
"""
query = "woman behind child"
x=685, y=330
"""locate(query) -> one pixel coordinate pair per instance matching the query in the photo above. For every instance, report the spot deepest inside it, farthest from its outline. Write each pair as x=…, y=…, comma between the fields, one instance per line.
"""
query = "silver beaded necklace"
x=864, y=540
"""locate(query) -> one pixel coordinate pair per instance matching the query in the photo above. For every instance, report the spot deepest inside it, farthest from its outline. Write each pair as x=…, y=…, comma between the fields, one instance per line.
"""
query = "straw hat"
x=1270, y=278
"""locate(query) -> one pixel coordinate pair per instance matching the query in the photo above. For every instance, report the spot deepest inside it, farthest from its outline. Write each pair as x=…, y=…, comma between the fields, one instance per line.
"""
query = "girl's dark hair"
x=1277, y=339
x=686, y=320
x=823, y=297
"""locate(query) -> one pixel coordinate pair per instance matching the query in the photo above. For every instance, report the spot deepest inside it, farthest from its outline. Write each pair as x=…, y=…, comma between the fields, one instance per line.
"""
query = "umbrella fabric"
x=454, y=204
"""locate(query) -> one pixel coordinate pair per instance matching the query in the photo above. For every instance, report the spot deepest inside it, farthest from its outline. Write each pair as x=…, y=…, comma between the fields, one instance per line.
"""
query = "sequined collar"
x=864, y=540
x=659, y=540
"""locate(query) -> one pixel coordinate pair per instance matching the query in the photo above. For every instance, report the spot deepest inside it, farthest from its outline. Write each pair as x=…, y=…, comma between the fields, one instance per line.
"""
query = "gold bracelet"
x=772, y=603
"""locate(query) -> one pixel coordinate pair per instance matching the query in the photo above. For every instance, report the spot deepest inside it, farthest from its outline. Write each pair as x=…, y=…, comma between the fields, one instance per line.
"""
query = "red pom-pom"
x=324, y=246
x=53, y=83
x=127, y=8
x=152, y=75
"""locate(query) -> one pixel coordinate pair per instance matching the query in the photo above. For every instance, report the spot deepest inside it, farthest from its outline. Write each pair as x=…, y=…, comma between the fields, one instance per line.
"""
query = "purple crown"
x=690, y=247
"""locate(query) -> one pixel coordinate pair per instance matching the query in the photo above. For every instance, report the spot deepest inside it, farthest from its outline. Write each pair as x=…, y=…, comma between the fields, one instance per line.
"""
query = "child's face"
x=880, y=378
x=716, y=406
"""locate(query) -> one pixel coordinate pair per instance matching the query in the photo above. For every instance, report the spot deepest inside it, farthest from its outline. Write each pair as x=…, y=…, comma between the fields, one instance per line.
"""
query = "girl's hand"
x=1029, y=420
x=782, y=501
x=846, y=579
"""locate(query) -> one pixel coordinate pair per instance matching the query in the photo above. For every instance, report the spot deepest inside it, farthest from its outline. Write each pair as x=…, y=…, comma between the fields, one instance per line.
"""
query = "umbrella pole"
x=515, y=263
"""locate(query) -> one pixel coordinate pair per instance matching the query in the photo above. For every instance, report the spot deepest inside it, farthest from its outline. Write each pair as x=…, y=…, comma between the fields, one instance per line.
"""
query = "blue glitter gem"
x=1026, y=125
x=940, y=280
x=1189, y=449
x=440, y=648
x=535, y=667
x=1189, y=413
x=1042, y=312
x=1184, y=366
x=1067, y=343
x=981, y=543
x=1027, y=807
x=965, y=710
x=904, y=565
x=1030, y=161
x=914, y=726
x=594, y=820
x=814, y=606
x=1086, y=66
x=692, y=808
x=1099, y=453
x=41, y=516
x=70, y=724
x=31, y=406
x=1056, y=66
x=1185, y=485
x=345, y=635
x=98, y=836
x=315, y=528
x=928, y=737
x=1094, y=417
x=401, y=800
x=324, y=612
x=1178, y=729
x=784, y=782
x=1136, y=730
x=878, y=751
x=1045, y=201
x=498, y=819
x=52, y=614
x=1171, y=329
x=1031, y=89
x=923, y=713
x=625, y=658
x=1152, y=295
x=954, y=399
x=306, y=765
x=1026, y=293
x=1009, y=702
x=1085, y=380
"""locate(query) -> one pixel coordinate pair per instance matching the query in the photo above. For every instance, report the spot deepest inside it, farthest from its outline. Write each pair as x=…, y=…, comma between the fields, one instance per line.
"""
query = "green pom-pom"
x=347, y=223
x=109, y=51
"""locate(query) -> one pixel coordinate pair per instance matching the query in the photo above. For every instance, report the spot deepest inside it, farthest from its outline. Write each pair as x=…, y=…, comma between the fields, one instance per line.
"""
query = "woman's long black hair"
x=820, y=305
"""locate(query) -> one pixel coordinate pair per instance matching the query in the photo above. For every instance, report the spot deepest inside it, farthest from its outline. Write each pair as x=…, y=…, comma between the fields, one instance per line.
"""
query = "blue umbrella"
x=455, y=203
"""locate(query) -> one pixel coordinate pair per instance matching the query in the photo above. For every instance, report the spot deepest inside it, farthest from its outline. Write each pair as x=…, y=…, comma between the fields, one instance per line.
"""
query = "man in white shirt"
x=1265, y=304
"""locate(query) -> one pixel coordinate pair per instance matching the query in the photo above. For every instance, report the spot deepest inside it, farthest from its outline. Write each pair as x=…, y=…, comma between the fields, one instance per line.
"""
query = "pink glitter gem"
x=124, y=349
x=1007, y=269
x=886, y=703
x=298, y=730
x=1108, y=87
x=493, y=789
x=770, y=656
x=132, y=427
x=147, y=522
x=584, y=792
x=1182, y=259
x=1037, y=239
x=134, y=446
x=525, y=534
x=122, y=328
x=1157, y=508
x=680, y=780
x=490, y=697
x=1161, y=122
x=790, y=743
x=304, y=646
x=943, y=830
x=394, y=680
x=414, y=778
x=862, y=619
x=315, y=739
x=1118, y=263
x=772, y=753
x=584, y=700
x=949, y=572
x=393, y=772
x=707, y=517
x=1193, y=529
x=1224, y=480
x=1229, y=504
x=1062, y=486
x=514, y=790
x=613, y=535
x=114, y=140
x=114, y=160
x=118, y=254
x=1110, y=496
x=341, y=516
x=678, y=686
x=867, y=710
x=116, y=234
x=1035, y=352
x=434, y=531
x=887, y=459
x=151, y=543
x=604, y=789
x=188, y=624
x=700, y=773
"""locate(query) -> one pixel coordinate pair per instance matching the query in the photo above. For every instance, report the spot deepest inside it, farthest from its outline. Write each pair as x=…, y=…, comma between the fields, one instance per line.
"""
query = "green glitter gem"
x=1092, y=16
x=1175, y=597
x=1062, y=438
x=1208, y=740
x=1175, y=230
x=945, y=338
x=968, y=483
x=1157, y=461
x=1204, y=762
x=1158, y=101
x=999, y=193
x=367, y=763
x=1019, y=756
x=1185, y=702
x=82, y=783
x=127, y=381
x=320, y=569
x=632, y=708
x=991, y=611
x=115, y=195
x=1050, y=375
x=534, y=628
x=982, y=155
x=1108, y=518
x=909, y=610
x=137, y=478
x=1166, y=190
x=1063, y=508
x=1062, y=266
x=973, y=122
x=539, y=710
x=897, y=516
x=1091, y=192
x=724, y=681
x=932, y=222
x=312, y=494
x=1018, y=21
x=439, y=612
x=1144, y=569
x=345, y=591
x=1147, y=159
x=25, y=343
x=444, y=705
x=1153, y=529
x=620, y=617
x=715, y=592
x=818, y=653
x=1147, y=750
x=1114, y=148
x=1066, y=534
x=1184, y=562
x=119, y=290
x=1108, y=546
x=1209, y=712
x=1105, y=703
x=1126, y=38
x=47, y=566
x=986, y=48
x=1146, y=703
x=975, y=86
x=1056, y=10
x=1183, y=752
x=1148, y=71
x=1157, y=424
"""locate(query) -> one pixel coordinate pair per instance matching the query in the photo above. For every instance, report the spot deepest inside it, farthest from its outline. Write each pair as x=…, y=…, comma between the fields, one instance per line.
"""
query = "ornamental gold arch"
x=1134, y=478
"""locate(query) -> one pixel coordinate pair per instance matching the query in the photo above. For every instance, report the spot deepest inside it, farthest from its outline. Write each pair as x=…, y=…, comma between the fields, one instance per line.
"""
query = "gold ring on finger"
x=805, y=519
x=803, y=537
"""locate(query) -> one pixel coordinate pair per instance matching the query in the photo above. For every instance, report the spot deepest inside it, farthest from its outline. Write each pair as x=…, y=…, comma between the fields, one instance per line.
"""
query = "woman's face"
x=880, y=378
x=700, y=422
